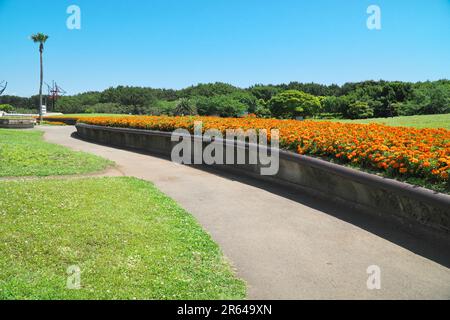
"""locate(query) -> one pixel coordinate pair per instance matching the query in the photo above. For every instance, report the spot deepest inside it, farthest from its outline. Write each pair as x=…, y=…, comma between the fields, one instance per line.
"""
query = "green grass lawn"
x=128, y=239
x=423, y=121
x=25, y=153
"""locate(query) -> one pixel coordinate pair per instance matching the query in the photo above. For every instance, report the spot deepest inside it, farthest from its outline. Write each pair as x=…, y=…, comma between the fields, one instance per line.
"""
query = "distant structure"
x=54, y=93
x=3, y=86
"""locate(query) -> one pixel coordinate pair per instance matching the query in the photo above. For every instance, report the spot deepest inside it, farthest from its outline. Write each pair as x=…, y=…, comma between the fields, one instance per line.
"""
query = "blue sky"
x=177, y=43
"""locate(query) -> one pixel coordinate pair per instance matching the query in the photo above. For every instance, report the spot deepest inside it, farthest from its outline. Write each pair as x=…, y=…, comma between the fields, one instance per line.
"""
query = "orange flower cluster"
x=55, y=123
x=395, y=151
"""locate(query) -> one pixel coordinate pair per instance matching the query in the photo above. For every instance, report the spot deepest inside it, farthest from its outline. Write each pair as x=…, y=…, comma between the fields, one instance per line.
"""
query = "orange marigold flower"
x=373, y=146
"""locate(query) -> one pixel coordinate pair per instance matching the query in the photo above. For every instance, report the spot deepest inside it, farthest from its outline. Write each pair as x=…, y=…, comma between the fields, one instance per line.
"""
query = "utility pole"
x=54, y=93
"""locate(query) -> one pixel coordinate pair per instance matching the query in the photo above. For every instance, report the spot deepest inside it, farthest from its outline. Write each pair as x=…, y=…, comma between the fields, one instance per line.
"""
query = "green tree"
x=208, y=90
x=426, y=99
x=262, y=92
x=262, y=111
x=41, y=39
x=245, y=98
x=438, y=101
x=359, y=110
x=136, y=100
x=223, y=105
x=334, y=104
x=293, y=103
x=6, y=108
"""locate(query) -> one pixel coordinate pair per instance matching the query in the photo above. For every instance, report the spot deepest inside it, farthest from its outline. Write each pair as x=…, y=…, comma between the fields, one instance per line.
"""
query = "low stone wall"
x=410, y=205
x=9, y=123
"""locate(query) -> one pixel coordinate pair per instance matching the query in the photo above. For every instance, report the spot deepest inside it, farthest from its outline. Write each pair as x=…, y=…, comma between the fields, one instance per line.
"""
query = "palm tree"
x=184, y=107
x=41, y=39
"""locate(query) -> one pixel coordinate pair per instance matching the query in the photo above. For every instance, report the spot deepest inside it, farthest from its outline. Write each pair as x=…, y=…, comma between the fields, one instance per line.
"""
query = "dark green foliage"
x=247, y=99
x=136, y=99
x=163, y=107
x=313, y=88
x=426, y=98
x=264, y=93
x=383, y=99
x=359, y=110
x=20, y=102
x=106, y=107
x=208, y=90
x=381, y=96
x=222, y=105
x=334, y=104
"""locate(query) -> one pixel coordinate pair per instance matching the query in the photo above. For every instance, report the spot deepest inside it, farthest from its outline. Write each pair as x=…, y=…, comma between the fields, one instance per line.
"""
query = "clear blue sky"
x=177, y=43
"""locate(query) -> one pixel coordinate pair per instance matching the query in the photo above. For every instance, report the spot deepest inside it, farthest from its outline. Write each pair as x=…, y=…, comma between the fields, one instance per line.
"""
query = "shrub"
x=263, y=112
x=6, y=107
x=329, y=115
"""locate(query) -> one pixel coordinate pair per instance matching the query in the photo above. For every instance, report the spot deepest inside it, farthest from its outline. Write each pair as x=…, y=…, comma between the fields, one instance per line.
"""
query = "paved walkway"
x=284, y=244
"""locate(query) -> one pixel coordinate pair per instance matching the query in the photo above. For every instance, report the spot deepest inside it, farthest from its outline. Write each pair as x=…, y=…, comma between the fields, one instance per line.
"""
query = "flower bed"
x=420, y=155
x=55, y=123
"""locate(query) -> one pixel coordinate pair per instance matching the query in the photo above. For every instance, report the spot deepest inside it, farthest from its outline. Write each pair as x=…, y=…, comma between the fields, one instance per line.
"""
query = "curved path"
x=284, y=244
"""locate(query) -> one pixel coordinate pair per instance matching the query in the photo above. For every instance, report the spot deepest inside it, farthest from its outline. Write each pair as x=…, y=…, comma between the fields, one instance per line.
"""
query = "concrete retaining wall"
x=412, y=206
x=17, y=123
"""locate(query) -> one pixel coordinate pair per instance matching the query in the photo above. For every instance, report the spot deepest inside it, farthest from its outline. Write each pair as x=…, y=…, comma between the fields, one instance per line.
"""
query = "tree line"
x=294, y=100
